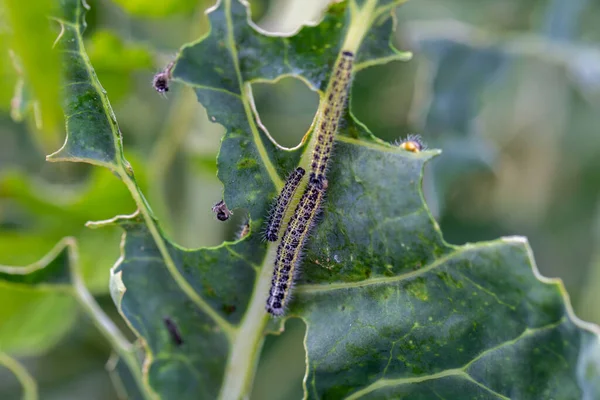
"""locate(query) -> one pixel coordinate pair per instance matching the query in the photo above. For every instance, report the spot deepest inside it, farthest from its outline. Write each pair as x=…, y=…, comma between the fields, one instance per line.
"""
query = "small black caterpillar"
x=221, y=210
x=282, y=203
x=160, y=82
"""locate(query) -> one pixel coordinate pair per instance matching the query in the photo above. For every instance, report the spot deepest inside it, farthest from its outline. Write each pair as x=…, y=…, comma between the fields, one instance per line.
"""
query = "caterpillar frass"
x=173, y=331
x=336, y=97
x=290, y=248
x=282, y=203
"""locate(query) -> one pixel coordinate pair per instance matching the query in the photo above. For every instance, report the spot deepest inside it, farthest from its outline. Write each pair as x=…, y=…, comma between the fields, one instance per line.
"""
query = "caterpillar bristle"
x=281, y=204
x=289, y=251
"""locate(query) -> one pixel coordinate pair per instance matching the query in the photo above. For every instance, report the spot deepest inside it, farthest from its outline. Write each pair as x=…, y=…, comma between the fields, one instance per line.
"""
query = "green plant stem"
x=105, y=325
x=241, y=366
x=30, y=390
x=245, y=351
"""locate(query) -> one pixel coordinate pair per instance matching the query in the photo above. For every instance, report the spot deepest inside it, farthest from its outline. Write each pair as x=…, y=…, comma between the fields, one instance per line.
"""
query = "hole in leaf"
x=274, y=382
x=381, y=99
x=286, y=109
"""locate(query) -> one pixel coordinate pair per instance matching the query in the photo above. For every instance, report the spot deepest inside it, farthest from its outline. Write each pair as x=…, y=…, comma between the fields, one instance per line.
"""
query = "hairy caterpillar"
x=282, y=203
x=336, y=97
x=413, y=143
x=220, y=209
x=244, y=230
x=290, y=249
x=160, y=82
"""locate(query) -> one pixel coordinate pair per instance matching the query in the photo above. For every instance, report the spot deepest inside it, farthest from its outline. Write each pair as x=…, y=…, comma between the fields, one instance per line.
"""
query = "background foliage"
x=510, y=90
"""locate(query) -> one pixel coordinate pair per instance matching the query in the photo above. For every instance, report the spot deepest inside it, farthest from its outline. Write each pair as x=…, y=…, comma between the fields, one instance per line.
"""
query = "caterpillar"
x=413, y=143
x=289, y=251
x=336, y=97
x=282, y=203
x=222, y=212
x=160, y=82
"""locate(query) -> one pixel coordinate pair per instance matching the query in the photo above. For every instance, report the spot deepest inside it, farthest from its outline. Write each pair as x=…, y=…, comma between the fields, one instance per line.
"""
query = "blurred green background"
x=509, y=90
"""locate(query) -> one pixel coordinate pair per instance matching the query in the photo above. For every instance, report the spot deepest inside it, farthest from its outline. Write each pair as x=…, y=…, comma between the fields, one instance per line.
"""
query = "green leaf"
x=251, y=57
x=93, y=135
x=33, y=321
x=35, y=215
x=30, y=391
x=35, y=318
x=40, y=66
x=58, y=273
x=123, y=380
x=390, y=308
x=221, y=277
x=143, y=8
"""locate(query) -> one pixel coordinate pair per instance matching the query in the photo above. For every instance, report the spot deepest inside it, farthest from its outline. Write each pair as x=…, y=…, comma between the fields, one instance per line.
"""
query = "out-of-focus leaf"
x=28, y=384
x=123, y=380
x=562, y=18
x=8, y=75
x=459, y=75
x=38, y=308
x=34, y=216
x=58, y=273
x=40, y=64
x=33, y=321
x=114, y=61
x=155, y=9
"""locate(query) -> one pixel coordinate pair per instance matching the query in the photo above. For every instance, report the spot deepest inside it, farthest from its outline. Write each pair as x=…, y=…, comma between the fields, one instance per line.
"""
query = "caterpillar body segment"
x=289, y=252
x=282, y=203
x=327, y=126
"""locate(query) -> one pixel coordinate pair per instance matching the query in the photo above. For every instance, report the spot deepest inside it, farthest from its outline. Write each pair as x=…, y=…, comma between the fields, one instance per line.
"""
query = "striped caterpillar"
x=287, y=259
x=327, y=125
x=290, y=249
x=282, y=203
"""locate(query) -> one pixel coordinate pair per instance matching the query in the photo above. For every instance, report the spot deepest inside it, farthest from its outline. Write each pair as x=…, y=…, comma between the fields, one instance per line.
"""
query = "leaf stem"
x=360, y=22
x=30, y=390
x=105, y=325
x=245, y=351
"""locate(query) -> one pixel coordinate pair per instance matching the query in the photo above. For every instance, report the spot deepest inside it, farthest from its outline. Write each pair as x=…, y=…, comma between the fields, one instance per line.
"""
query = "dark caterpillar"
x=282, y=203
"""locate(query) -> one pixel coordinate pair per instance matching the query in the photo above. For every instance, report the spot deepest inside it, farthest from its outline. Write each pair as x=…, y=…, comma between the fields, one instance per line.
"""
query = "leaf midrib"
x=327, y=287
